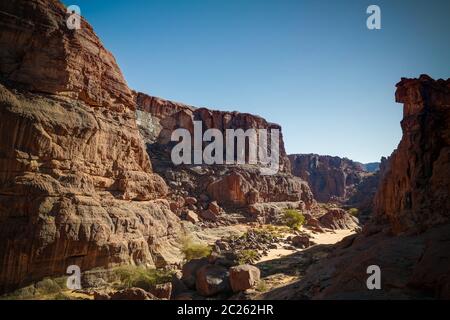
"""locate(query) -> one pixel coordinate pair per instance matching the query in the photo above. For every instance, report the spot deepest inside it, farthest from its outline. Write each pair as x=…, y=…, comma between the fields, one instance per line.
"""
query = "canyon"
x=86, y=178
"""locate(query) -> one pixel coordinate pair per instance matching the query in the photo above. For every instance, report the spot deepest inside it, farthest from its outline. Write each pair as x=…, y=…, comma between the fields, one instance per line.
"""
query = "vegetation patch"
x=141, y=277
x=293, y=219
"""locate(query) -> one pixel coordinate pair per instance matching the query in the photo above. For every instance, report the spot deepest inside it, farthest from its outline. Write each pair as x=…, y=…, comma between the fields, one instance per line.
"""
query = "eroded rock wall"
x=76, y=183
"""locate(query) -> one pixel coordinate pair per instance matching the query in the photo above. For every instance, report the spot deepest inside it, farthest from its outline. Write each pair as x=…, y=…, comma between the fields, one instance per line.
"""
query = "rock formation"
x=414, y=193
x=232, y=186
x=409, y=235
x=330, y=178
x=76, y=184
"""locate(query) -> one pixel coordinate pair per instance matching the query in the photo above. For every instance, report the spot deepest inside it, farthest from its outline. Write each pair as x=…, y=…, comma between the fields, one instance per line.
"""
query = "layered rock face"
x=232, y=186
x=409, y=237
x=330, y=178
x=414, y=193
x=76, y=183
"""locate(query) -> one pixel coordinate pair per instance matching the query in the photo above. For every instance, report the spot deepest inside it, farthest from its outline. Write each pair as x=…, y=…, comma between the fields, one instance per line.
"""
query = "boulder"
x=244, y=277
x=162, y=291
x=192, y=216
x=301, y=241
x=212, y=279
x=190, y=200
x=208, y=215
x=214, y=208
x=190, y=269
x=337, y=218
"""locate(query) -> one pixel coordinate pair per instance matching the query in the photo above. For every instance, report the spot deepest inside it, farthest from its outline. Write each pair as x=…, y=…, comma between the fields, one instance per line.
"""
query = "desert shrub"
x=293, y=219
x=247, y=256
x=194, y=250
x=141, y=277
x=353, y=211
x=261, y=286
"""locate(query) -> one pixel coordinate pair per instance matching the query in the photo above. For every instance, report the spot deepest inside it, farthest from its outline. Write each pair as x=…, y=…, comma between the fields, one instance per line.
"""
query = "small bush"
x=247, y=256
x=192, y=250
x=293, y=219
x=141, y=277
x=353, y=211
x=262, y=286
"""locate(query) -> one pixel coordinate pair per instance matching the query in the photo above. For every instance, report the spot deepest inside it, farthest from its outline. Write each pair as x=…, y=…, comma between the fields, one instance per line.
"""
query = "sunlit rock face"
x=408, y=238
x=76, y=183
x=233, y=186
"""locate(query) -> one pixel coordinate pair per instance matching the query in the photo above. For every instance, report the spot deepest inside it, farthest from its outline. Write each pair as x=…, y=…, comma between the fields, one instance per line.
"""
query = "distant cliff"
x=332, y=178
x=408, y=238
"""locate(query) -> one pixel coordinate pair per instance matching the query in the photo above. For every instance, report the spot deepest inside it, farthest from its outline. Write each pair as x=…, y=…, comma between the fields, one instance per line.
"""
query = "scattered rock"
x=215, y=208
x=244, y=277
x=190, y=269
x=337, y=218
x=162, y=291
x=301, y=241
x=190, y=201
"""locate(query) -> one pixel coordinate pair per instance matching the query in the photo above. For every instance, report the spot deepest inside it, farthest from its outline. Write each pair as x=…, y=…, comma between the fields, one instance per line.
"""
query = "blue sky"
x=312, y=66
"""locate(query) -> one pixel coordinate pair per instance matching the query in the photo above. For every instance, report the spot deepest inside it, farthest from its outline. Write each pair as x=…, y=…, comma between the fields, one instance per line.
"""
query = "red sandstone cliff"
x=231, y=186
x=409, y=237
x=76, y=184
x=414, y=193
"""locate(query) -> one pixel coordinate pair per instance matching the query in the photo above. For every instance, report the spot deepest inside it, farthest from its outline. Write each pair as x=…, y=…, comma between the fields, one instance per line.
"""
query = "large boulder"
x=244, y=277
x=301, y=241
x=212, y=279
x=337, y=218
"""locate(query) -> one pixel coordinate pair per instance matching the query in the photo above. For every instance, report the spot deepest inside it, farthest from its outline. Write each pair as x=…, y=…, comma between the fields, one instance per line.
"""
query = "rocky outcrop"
x=330, y=178
x=232, y=186
x=76, y=184
x=409, y=237
x=414, y=192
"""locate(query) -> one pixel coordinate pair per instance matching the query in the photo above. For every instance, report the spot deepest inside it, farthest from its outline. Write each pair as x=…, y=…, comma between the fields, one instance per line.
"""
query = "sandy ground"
x=329, y=237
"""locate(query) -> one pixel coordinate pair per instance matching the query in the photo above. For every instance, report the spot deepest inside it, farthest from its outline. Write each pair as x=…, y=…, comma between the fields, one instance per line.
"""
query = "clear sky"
x=310, y=65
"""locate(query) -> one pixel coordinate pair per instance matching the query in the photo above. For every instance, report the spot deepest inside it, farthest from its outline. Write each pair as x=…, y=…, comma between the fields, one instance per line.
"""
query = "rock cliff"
x=409, y=235
x=336, y=179
x=76, y=183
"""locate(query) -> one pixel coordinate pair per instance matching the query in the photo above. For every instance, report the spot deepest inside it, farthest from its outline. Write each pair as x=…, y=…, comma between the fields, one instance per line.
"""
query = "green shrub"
x=141, y=277
x=247, y=256
x=353, y=211
x=293, y=219
x=261, y=286
x=192, y=250
x=20, y=294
